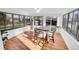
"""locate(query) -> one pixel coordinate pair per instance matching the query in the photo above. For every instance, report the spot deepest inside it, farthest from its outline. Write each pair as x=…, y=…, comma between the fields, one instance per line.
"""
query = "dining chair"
x=51, y=35
x=42, y=39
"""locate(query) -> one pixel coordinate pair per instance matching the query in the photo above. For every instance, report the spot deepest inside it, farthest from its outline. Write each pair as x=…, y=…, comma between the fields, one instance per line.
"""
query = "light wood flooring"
x=24, y=41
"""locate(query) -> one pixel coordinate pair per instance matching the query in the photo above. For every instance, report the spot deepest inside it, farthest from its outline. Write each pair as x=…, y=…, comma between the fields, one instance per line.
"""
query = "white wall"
x=1, y=42
x=59, y=21
x=44, y=21
x=70, y=41
x=14, y=32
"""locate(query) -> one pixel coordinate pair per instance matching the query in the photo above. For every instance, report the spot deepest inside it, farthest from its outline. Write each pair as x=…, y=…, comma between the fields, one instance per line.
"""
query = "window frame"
x=37, y=20
x=3, y=22
x=77, y=34
x=11, y=22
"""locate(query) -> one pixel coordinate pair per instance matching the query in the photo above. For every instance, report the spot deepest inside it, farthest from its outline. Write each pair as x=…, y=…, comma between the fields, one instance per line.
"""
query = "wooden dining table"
x=47, y=31
x=43, y=29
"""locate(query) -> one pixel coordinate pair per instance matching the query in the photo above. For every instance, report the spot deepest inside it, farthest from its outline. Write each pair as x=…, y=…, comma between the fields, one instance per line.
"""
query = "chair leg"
x=41, y=43
x=53, y=40
x=53, y=37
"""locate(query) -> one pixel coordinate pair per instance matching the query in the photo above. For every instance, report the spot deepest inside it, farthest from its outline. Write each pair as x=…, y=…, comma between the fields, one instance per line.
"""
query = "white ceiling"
x=43, y=11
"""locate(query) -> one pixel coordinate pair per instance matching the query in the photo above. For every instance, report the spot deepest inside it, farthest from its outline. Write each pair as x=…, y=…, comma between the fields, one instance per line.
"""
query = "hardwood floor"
x=24, y=42
x=59, y=43
x=15, y=44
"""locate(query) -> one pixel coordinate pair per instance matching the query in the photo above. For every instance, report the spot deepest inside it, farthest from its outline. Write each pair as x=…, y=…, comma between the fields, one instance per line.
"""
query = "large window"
x=38, y=20
x=65, y=21
x=48, y=22
x=70, y=22
x=77, y=33
x=12, y=21
x=21, y=21
x=2, y=18
x=16, y=19
x=54, y=21
x=75, y=23
x=51, y=21
x=8, y=21
x=27, y=20
x=63, y=25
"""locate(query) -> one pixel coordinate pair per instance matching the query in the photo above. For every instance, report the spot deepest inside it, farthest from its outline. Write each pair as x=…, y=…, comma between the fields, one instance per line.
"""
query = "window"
x=65, y=21
x=2, y=18
x=8, y=21
x=16, y=20
x=21, y=21
x=70, y=22
x=48, y=22
x=51, y=21
x=31, y=20
x=38, y=20
x=77, y=33
x=75, y=23
x=54, y=21
x=27, y=20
